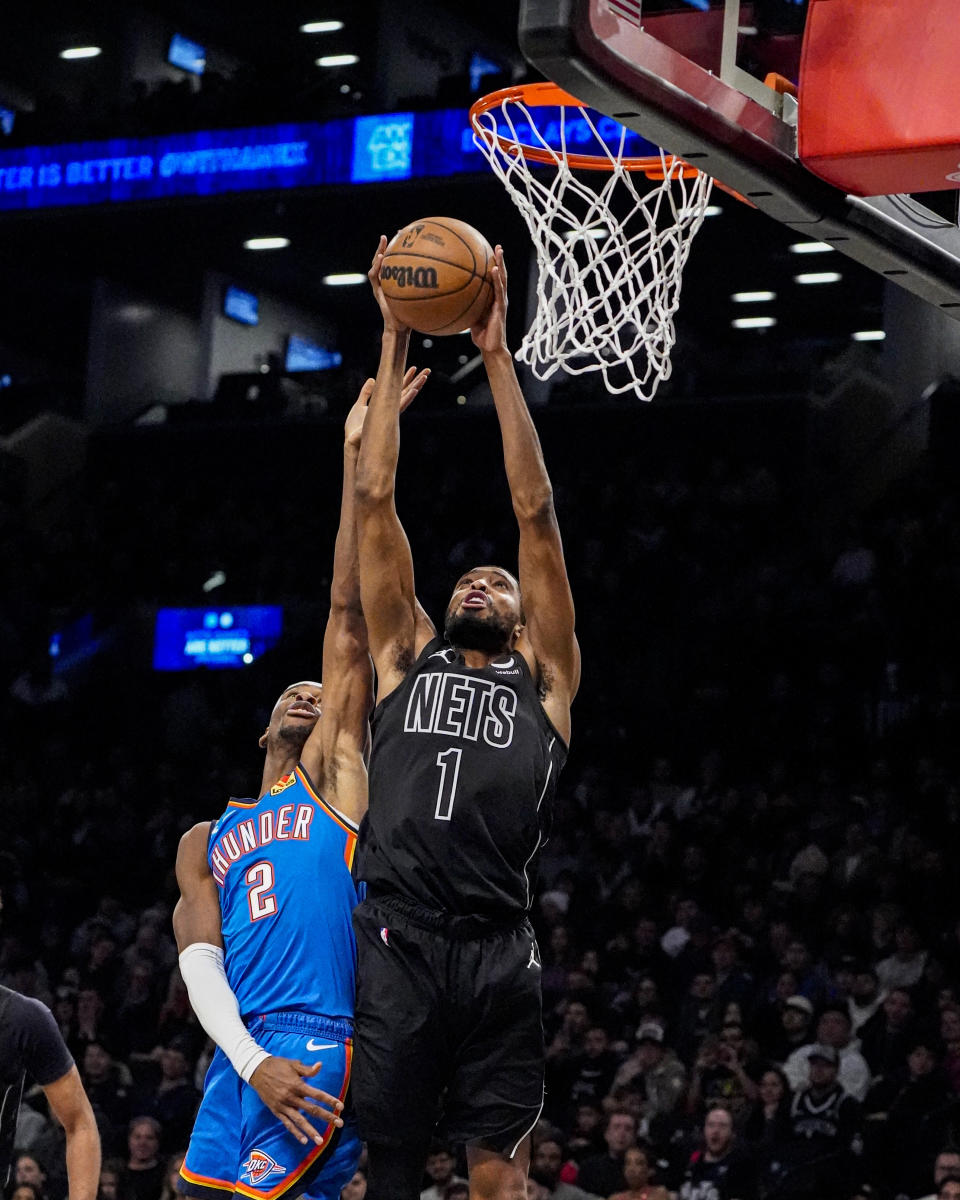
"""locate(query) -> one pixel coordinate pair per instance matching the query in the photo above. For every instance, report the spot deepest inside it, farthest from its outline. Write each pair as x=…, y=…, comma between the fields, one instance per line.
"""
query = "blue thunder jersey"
x=283, y=865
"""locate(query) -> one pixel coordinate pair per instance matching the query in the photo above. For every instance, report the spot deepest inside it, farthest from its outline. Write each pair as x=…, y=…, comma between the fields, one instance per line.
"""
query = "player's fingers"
x=313, y=1093
x=409, y=374
x=291, y=1128
x=305, y=1128
x=323, y=1114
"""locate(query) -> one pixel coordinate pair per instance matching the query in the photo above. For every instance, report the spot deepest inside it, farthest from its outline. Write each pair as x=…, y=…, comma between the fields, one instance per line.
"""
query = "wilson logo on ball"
x=415, y=277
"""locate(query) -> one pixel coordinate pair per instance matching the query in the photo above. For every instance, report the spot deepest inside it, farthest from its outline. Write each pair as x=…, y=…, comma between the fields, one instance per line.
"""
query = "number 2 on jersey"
x=261, y=878
x=449, y=763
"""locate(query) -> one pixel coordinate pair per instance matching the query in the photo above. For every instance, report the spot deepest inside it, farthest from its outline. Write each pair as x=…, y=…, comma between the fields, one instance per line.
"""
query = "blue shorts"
x=265, y=1161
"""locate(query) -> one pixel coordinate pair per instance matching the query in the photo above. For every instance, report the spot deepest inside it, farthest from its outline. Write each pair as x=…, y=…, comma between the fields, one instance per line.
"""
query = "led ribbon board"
x=367, y=149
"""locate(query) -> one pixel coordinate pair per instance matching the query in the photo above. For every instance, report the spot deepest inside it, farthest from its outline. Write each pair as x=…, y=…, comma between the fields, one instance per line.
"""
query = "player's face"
x=295, y=713
x=484, y=612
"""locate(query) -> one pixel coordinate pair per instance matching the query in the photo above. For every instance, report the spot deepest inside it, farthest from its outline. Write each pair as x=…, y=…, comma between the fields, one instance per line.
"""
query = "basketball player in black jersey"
x=469, y=735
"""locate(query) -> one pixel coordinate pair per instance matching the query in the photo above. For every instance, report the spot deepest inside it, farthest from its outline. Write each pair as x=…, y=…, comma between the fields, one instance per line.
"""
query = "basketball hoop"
x=610, y=258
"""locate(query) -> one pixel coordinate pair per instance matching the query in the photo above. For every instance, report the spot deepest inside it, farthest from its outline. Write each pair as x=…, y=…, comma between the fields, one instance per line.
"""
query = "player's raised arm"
x=347, y=670
x=279, y=1082
x=395, y=631
x=548, y=636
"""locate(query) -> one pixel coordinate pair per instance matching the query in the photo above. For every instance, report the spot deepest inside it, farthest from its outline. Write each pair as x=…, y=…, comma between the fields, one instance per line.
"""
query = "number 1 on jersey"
x=449, y=763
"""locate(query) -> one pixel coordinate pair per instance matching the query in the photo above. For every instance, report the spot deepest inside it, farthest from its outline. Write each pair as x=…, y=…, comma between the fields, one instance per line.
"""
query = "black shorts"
x=448, y=1028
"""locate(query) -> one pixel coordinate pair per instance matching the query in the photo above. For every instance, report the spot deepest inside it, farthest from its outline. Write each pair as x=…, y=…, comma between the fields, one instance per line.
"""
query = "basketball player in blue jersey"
x=469, y=735
x=263, y=923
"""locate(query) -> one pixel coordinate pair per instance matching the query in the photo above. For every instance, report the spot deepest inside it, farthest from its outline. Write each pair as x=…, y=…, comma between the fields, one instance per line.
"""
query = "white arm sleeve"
x=201, y=966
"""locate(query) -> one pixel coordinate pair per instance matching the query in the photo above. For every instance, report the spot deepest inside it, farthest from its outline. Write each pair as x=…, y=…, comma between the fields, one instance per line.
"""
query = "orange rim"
x=548, y=95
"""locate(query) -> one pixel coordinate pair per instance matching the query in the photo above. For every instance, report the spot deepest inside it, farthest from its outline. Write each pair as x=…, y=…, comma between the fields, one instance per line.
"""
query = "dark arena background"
x=756, y=841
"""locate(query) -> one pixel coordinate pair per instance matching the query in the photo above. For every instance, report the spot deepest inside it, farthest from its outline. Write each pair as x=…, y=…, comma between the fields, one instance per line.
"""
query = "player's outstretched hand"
x=281, y=1083
x=490, y=333
x=413, y=382
x=390, y=322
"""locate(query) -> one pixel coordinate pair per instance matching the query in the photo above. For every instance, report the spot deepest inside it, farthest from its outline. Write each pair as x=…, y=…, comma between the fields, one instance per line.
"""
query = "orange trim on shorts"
x=332, y=813
x=288, y=1182
x=206, y=1181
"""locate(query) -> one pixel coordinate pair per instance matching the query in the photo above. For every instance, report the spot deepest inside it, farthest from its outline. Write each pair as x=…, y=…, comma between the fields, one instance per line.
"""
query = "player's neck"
x=478, y=658
x=276, y=766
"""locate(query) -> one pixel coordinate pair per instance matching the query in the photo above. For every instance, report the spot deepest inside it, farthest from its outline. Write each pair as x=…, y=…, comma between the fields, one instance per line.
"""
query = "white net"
x=610, y=257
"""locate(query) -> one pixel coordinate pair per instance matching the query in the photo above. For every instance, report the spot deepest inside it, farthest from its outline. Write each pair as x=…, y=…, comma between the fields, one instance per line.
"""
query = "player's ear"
x=516, y=635
x=263, y=740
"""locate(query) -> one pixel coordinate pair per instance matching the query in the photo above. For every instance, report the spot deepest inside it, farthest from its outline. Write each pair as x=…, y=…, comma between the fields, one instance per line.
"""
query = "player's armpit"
x=196, y=917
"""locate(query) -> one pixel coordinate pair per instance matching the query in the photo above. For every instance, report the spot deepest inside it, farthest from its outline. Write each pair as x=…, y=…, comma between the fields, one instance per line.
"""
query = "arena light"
x=266, y=243
x=818, y=277
x=810, y=247
x=321, y=27
x=73, y=52
x=752, y=297
x=337, y=60
x=868, y=335
x=754, y=322
x=344, y=279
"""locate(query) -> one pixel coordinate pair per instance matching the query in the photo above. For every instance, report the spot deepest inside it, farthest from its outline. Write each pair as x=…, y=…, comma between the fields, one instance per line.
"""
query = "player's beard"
x=469, y=631
x=295, y=735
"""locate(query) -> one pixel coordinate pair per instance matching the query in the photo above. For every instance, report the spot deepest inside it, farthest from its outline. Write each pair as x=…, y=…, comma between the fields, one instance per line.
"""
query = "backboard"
x=671, y=70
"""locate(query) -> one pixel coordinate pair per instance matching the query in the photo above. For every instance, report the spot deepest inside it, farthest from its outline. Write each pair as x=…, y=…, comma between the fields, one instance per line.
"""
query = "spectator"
x=586, y=1137
x=884, y=1037
x=833, y=1029
x=108, y=1086
x=603, y=1173
x=591, y=1073
x=26, y=1169
x=719, y=1169
x=25, y=1191
x=865, y=998
x=173, y=1100
x=907, y=1118
x=904, y=967
x=698, y=1016
x=945, y=1165
x=659, y=1073
x=731, y=981
x=824, y=1132
x=356, y=1189
x=548, y=1161
x=171, y=1175
x=638, y=1170
x=143, y=1178
x=950, y=1188
x=111, y=1179
x=719, y=1078
x=441, y=1164
x=950, y=1036
x=796, y=1023
x=768, y=1122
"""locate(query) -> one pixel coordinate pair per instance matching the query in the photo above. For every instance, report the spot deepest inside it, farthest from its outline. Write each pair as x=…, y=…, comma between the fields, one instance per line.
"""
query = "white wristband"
x=215, y=1004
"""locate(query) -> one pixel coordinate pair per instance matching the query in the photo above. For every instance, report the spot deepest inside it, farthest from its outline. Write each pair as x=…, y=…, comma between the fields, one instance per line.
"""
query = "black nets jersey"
x=463, y=774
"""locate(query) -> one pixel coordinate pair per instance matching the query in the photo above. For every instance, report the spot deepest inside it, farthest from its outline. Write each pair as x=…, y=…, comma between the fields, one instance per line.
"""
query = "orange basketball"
x=436, y=275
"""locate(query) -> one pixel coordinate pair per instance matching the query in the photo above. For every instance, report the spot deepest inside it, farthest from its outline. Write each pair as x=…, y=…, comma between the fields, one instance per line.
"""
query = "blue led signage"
x=354, y=150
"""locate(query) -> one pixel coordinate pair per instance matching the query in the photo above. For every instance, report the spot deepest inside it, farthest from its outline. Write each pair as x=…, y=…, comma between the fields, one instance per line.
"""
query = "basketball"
x=436, y=275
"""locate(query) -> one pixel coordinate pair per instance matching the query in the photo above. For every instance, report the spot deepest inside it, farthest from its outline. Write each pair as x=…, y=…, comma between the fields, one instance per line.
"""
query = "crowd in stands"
x=748, y=918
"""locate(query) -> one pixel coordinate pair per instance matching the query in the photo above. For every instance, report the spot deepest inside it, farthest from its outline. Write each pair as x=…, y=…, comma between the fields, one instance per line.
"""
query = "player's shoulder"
x=27, y=1014
x=193, y=844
